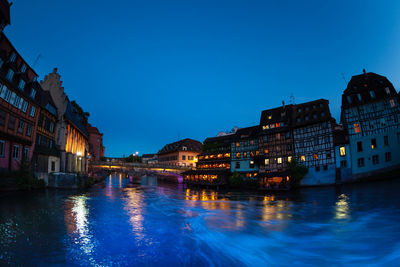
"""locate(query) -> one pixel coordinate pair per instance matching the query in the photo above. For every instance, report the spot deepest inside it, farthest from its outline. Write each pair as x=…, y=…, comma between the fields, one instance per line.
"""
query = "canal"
x=150, y=224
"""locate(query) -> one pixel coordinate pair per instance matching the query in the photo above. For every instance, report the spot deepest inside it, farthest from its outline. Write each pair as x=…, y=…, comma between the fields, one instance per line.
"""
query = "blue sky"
x=150, y=72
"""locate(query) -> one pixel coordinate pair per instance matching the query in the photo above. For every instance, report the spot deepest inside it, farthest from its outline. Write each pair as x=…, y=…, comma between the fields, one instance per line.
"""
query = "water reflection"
x=342, y=207
x=134, y=206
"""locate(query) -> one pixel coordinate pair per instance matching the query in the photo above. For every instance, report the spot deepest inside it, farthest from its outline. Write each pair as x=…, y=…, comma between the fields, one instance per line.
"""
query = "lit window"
x=357, y=128
x=244, y=154
x=279, y=160
x=315, y=156
x=392, y=103
x=303, y=158
x=237, y=144
x=251, y=164
x=373, y=143
x=342, y=151
x=238, y=155
x=269, y=117
x=266, y=151
x=289, y=159
x=266, y=161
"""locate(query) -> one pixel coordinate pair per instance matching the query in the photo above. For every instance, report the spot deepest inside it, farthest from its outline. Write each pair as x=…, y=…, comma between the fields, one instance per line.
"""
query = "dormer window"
x=359, y=97
x=315, y=116
x=10, y=75
x=298, y=119
x=322, y=114
x=33, y=94
x=307, y=108
x=321, y=105
x=392, y=103
x=34, y=79
x=314, y=106
x=269, y=117
x=372, y=94
x=23, y=67
x=12, y=57
x=387, y=90
x=299, y=110
x=307, y=118
x=349, y=99
x=21, y=85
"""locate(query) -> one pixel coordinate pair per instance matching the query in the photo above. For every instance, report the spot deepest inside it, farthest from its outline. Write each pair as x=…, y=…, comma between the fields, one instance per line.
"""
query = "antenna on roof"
x=291, y=101
x=344, y=78
x=36, y=61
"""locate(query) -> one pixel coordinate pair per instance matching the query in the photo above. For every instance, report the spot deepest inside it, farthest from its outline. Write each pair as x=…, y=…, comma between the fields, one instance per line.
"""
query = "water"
x=166, y=225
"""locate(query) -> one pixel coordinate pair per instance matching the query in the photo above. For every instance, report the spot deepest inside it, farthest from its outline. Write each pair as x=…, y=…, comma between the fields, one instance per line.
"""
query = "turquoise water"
x=150, y=224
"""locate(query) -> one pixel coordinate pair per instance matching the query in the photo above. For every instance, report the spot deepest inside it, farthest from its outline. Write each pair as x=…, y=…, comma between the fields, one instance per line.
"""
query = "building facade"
x=313, y=128
x=181, y=153
x=19, y=107
x=371, y=118
x=71, y=133
x=4, y=14
x=96, y=148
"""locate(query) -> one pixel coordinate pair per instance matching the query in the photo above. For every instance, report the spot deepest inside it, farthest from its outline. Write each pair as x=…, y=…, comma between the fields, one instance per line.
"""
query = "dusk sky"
x=151, y=72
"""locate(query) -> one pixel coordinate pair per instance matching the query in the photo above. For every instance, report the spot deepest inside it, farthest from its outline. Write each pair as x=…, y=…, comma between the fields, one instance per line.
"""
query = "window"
x=387, y=90
x=244, y=154
x=23, y=67
x=357, y=128
x=359, y=146
x=15, y=103
x=375, y=159
x=359, y=97
x=388, y=156
x=298, y=119
x=360, y=162
x=289, y=159
x=33, y=110
x=237, y=165
x=315, y=156
x=12, y=57
x=373, y=143
x=266, y=151
x=392, y=103
x=33, y=94
x=26, y=153
x=24, y=106
x=251, y=164
x=289, y=147
x=183, y=157
x=53, y=166
x=3, y=115
x=28, y=130
x=278, y=136
x=303, y=158
x=10, y=75
x=386, y=140
x=11, y=122
x=372, y=94
x=15, y=152
x=2, y=147
x=21, y=126
x=21, y=85
x=349, y=99
x=314, y=116
x=238, y=155
x=307, y=118
x=342, y=151
x=343, y=164
x=265, y=138
x=266, y=161
x=279, y=160
x=237, y=144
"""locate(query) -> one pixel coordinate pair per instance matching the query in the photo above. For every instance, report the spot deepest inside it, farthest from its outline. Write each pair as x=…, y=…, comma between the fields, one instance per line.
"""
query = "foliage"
x=133, y=158
x=235, y=180
x=82, y=114
x=103, y=159
x=25, y=178
x=297, y=171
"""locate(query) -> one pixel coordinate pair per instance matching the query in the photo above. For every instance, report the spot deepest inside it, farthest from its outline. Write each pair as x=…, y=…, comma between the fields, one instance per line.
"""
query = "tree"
x=235, y=180
x=133, y=158
x=297, y=171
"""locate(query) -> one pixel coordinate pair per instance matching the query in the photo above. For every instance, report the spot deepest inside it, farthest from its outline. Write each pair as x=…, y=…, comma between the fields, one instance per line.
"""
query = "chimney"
x=364, y=72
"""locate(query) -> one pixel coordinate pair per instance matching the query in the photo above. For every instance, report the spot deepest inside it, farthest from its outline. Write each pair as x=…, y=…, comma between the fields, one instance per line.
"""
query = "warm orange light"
x=357, y=128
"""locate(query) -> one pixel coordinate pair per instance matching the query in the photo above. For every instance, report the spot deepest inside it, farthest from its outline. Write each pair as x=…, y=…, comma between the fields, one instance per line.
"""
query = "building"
x=19, y=107
x=371, y=117
x=275, y=146
x=244, y=149
x=181, y=153
x=342, y=154
x=71, y=133
x=4, y=14
x=46, y=157
x=214, y=162
x=149, y=158
x=96, y=148
x=313, y=141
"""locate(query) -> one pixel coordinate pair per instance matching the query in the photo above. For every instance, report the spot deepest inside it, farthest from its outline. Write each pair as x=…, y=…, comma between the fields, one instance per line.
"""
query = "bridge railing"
x=136, y=165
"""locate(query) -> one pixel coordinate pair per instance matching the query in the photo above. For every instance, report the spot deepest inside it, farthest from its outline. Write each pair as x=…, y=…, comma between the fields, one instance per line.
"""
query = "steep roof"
x=367, y=88
x=189, y=144
x=5, y=12
x=311, y=112
x=74, y=117
x=247, y=132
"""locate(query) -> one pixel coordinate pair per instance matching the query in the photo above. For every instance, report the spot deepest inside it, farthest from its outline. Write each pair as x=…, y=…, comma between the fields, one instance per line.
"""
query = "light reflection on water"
x=146, y=223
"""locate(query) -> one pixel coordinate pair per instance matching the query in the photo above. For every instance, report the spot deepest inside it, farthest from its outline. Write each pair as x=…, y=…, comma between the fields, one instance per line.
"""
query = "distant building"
x=19, y=107
x=96, y=148
x=244, y=149
x=71, y=134
x=182, y=153
x=149, y=158
x=371, y=118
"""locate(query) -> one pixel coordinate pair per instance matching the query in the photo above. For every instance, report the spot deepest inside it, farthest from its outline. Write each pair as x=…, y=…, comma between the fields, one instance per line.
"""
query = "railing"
x=103, y=164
